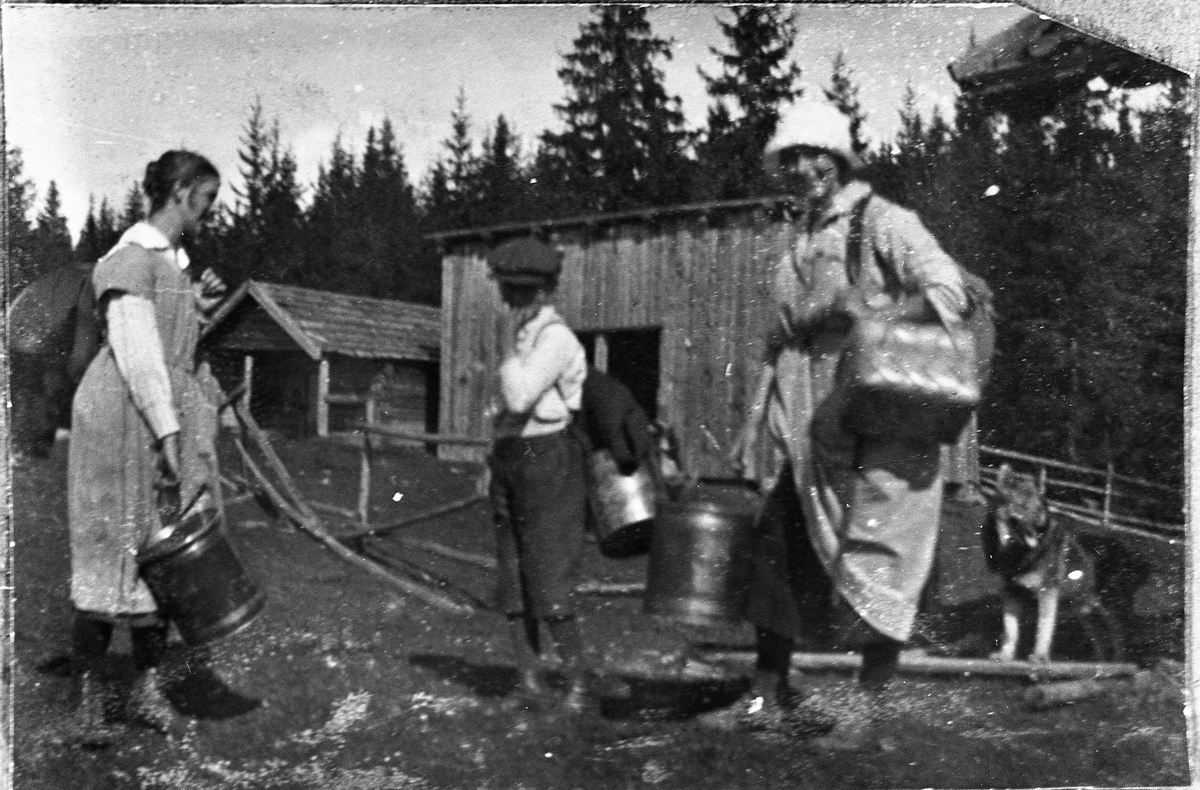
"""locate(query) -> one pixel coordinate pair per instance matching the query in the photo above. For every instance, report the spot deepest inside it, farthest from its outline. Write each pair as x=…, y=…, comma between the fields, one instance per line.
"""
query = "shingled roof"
x=1037, y=59
x=325, y=322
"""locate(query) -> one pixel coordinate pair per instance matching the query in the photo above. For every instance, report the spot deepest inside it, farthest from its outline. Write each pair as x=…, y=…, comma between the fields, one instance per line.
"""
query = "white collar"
x=145, y=235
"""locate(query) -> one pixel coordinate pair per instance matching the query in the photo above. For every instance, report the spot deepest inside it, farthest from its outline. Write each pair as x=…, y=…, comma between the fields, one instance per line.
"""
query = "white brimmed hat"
x=813, y=124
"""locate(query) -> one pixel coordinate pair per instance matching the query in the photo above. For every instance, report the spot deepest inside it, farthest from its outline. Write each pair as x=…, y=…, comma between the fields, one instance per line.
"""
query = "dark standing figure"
x=52, y=336
x=847, y=535
x=538, y=483
x=144, y=416
x=614, y=421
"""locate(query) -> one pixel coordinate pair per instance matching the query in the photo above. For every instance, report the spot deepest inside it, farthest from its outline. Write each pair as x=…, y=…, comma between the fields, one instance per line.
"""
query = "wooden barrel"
x=700, y=556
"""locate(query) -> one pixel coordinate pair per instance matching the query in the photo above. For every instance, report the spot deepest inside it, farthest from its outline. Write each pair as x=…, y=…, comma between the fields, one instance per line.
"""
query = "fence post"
x=364, y=474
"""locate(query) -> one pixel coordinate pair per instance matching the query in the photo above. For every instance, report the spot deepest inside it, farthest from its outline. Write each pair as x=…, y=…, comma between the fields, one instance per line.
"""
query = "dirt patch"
x=342, y=682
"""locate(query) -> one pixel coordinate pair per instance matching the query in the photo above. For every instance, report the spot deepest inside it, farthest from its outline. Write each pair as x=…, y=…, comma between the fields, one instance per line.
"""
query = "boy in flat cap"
x=538, y=490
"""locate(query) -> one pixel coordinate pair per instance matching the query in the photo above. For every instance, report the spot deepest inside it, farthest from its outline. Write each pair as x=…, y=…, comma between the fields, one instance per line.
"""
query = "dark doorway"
x=632, y=359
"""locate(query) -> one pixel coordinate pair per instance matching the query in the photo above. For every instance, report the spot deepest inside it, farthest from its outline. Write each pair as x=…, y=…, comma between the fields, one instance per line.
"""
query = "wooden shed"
x=672, y=301
x=317, y=361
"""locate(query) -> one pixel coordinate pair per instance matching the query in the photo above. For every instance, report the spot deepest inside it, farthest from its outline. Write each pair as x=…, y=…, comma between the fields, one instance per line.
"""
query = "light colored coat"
x=871, y=507
x=112, y=464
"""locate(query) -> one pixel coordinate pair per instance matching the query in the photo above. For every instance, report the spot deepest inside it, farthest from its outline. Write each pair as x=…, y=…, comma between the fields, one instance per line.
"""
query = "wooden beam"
x=247, y=378
x=322, y=399
x=917, y=663
x=430, y=438
x=590, y=220
x=600, y=359
x=364, y=472
x=408, y=521
x=470, y=558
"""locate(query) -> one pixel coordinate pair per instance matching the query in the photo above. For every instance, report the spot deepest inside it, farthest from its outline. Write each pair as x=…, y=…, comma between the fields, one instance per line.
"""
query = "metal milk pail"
x=700, y=557
x=623, y=506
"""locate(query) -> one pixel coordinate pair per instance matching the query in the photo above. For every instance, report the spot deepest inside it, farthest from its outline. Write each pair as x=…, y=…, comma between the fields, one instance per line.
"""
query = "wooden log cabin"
x=672, y=301
x=316, y=362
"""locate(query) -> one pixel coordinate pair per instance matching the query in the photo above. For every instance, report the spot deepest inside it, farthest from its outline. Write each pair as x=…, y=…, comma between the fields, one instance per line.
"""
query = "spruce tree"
x=1079, y=226
x=624, y=141
x=107, y=233
x=51, y=238
x=328, y=219
x=450, y=200
x=134, y=210
x=499, y=183
x=88, y=249
x=18, y=238
x=843, y=94
x=757, y=80
x=266, y=222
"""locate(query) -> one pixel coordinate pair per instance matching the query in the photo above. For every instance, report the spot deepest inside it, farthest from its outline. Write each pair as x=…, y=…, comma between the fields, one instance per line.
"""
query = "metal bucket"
x=623, y=506
x=700, y=558
x=198, y=580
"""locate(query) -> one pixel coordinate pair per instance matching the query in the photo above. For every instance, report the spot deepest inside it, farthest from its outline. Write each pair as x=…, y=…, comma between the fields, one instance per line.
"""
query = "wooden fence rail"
x=1114, y=490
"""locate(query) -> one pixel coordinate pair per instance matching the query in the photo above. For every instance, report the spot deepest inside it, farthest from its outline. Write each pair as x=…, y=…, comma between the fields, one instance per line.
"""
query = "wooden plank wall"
x=704, y=281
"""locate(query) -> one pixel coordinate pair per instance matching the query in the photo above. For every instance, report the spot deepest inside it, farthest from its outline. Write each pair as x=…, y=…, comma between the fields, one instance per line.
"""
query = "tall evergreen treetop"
x=18, y=238
x=843, y=94
x=624, y=141
x=757, y=79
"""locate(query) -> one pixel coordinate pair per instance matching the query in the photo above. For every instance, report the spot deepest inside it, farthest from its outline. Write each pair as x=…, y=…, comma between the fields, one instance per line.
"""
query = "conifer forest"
x=1077, y=219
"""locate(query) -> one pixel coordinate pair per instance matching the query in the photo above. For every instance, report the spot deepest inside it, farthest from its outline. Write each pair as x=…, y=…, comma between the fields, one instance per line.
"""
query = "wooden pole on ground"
x=308, y=522
x=916, y=663
x=408, y=521
x=470, y=558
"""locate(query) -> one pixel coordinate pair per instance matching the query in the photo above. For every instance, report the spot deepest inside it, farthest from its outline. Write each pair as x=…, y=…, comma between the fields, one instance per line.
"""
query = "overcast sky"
x=93, y=93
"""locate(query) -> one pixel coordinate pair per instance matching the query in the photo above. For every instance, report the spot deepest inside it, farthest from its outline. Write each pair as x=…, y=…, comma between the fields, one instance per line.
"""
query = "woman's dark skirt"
x=791, y=593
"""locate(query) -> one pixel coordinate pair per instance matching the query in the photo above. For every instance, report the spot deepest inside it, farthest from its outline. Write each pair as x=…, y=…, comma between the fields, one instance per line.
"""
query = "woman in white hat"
x=847, y=534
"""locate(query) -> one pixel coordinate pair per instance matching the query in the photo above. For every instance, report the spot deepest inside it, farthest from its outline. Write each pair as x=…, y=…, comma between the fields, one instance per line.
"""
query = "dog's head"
x=1017, y=523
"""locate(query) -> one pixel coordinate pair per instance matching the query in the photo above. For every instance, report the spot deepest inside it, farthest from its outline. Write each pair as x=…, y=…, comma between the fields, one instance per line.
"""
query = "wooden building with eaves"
x=315, y=362
x=673, y=301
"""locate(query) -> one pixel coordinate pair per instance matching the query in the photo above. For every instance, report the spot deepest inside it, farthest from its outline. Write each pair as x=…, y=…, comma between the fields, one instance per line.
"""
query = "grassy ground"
x=342, y=682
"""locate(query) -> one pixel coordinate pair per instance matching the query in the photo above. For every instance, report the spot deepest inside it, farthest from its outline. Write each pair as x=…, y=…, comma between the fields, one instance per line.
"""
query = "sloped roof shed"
x=324, y=322
x=347, y=337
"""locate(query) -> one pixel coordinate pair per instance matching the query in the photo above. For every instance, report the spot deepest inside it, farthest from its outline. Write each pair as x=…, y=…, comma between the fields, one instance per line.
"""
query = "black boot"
x=93, y=729
x=89, y=643
x=568, y=643
x=147, y=705
x=880, y=663
x=772, y=704
x=531, y=693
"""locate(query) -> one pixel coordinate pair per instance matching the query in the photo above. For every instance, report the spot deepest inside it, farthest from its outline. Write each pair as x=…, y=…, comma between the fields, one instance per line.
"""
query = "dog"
x=1038, y=558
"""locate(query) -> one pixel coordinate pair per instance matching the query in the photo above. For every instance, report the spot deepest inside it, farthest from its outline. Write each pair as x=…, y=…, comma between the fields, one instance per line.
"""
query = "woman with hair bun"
x=144, y=412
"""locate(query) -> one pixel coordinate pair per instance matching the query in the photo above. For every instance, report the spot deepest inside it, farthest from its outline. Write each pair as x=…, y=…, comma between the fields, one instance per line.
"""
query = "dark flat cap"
x=525, y=260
